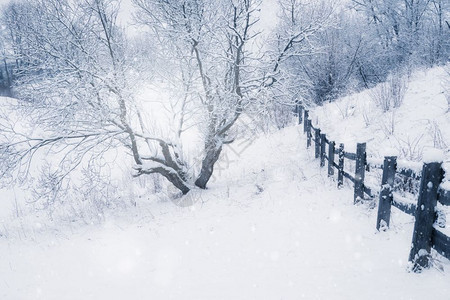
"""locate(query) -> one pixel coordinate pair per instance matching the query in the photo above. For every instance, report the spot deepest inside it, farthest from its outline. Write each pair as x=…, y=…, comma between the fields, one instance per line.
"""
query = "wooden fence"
x=425, y=211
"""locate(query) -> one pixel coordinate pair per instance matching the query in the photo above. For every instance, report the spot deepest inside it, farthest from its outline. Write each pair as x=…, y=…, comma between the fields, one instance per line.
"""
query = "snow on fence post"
x=323, y=142
x=300, y=113
x=317, y=142
x=387, y=184
x=305, y=122
x=341, y=166
x=360, y=172
x=331, y=150
x=432, y=175
x=308, y=133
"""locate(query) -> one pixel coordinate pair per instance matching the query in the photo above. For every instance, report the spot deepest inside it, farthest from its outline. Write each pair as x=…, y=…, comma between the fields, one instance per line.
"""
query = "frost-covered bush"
x=346, y=108
x=410, y=148
x=397, y=89
x=436, y=134
x=282, y=115
x=390, y=94
x=387, y=124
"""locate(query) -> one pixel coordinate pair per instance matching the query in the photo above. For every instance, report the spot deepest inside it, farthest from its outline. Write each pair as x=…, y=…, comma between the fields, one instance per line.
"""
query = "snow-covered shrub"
x=282, y=115
x=367, y=115
x=410, y=148
x=436, y=134
x=398, y=86
x=387, y=124
x=85, y=199
x=380, y=95
x=346, y=108
x=406, y=186
x=266, y=116
x=390, y=94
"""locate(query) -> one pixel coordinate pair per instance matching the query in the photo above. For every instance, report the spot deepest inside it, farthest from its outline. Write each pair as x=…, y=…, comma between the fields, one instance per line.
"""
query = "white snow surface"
x=390, y=152
x=421, y=122
x=273, y=226
x=431, y=155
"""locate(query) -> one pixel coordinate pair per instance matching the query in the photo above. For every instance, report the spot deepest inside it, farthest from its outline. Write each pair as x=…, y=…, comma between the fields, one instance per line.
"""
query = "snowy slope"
x=423, y=120
x=272, y=227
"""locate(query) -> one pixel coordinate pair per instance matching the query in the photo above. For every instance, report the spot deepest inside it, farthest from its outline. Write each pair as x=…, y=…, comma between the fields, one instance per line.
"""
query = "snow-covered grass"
x=422, y=120
x=417, y=126
x=273, y=227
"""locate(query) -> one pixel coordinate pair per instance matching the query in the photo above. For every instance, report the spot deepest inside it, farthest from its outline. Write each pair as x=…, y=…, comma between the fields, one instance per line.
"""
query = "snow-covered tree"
x=212, y=41
x=412, y=30
x=297, y=41
x=75, y=82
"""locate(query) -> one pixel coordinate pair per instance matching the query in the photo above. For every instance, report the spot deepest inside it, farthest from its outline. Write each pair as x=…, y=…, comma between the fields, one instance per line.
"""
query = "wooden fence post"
x=317, y=142
x=300, y=113
x=387, y=184
x=359, y=172
x=308, y=133
x=305, y=121
x=323, y=142
x=432, y=174
x=331, y=150
x=341, y=166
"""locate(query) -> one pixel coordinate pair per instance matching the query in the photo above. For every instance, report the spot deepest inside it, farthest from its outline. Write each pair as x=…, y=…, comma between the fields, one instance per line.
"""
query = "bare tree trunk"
x=173, y=177
x=213, y=151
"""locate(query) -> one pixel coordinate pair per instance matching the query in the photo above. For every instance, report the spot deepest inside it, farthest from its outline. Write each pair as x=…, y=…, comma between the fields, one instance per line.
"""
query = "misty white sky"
x=268, y=13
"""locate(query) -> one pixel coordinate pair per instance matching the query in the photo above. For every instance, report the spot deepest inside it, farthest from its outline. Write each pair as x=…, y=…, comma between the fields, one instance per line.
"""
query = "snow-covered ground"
x=422, y=121
x=273, y=227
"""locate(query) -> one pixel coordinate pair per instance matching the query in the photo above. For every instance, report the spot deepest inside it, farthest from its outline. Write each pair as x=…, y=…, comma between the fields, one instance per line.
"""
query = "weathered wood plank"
x=300, y=114
x=305, y=122
x=441, y=243
x=317, y=143
x=350, y=155
x=331, y=151
x=359, y=172
x=348, y=176
x=386, y=197
x=341, y=166
x=322, y=149
x=308, y=133
x=368, y=191
x=444, y=197
x=425, y=214
x=409, y=209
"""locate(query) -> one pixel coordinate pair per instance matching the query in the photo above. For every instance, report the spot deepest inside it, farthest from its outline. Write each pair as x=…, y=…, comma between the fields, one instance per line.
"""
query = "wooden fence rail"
x=425, y=235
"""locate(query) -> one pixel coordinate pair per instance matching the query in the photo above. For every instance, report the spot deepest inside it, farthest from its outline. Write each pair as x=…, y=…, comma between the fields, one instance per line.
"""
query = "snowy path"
x=273, y=227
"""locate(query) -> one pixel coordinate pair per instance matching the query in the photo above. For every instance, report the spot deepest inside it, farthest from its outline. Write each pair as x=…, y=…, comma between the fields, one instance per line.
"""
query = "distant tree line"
x=365, y=41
